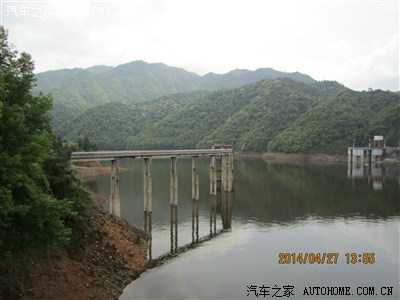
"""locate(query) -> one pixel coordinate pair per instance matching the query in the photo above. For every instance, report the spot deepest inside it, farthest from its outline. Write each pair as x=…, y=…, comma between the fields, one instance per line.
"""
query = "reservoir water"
x=287, y=231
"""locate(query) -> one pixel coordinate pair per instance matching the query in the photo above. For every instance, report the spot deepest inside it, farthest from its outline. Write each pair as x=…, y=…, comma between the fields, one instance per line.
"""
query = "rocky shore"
x=91, y=169
x=99, y=265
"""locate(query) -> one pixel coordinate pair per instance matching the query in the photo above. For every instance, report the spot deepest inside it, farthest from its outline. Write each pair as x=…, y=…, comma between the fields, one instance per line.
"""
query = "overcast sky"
x=353, y=42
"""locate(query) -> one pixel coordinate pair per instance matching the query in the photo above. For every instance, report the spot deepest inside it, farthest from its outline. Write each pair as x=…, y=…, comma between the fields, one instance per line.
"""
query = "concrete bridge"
x=221, y=170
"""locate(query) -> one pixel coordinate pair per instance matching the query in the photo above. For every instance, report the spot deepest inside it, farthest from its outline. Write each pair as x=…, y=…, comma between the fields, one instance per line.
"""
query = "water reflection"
x=148, y=228
x=213, y=215
x=223, y=200
x=285, y=194
x=374, y=173
x=195, y=221
x=174, y=229
x=226, y=210
x=277, y=208
x=265, y=194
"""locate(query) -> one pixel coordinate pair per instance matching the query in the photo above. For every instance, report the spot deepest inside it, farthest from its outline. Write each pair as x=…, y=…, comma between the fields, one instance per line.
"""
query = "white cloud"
x=353, y=42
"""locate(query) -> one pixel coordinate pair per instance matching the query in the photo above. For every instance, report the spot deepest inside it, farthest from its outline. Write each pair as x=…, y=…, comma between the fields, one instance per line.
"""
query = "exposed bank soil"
x=110, y=255
x=93, y=169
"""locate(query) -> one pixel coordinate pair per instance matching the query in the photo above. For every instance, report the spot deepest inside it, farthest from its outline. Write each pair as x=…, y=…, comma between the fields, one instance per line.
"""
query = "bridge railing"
x=110, y=155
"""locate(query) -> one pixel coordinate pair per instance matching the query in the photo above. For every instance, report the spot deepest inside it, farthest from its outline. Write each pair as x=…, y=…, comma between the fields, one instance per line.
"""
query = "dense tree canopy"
x=40, y=198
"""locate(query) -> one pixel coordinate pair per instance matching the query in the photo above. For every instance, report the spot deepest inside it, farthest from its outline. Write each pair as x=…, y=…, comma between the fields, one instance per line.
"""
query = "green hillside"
x=275, y=106
x=332, y=123
x=111, y=125
x=237, y=78
x=138, y=81
x=273, y=114
x=119, y=108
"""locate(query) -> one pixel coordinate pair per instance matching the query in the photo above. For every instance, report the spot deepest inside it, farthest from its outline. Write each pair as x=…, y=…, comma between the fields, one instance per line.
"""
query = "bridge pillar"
x=230, y=172
x=213, y=175
x=195, y=178
x=115, y=201
x=173, y=182
x=224, y=172
x=147, y=189
x=227, y=173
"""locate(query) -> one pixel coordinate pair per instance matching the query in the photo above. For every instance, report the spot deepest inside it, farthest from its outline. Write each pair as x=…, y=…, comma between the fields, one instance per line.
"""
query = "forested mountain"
x=112, y=124
x=330, y=123
x=237, y=78
x=138, y=81
x=155, y=106
x=273, y=114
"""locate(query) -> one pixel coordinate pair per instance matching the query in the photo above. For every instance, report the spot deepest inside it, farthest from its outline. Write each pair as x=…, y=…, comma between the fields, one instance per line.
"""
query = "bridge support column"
x=147, y=189
x=195, y=178
x=213, y=175
x=115, y=201
x=173, y=182
x=227, y=173
x=230, y=173
x=174, y=204
x=224, y=172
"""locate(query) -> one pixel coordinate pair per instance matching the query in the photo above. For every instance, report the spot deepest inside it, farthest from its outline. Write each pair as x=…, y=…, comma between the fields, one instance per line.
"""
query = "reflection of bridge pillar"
x=213, y=215
x=213, y=175
x=173, y=182
x=195, y=178
x=148, y=226
x=195, y=221
x=226, y=210
x=174, y=228
x=147, y=189
x=349, y=169
x=115, y=201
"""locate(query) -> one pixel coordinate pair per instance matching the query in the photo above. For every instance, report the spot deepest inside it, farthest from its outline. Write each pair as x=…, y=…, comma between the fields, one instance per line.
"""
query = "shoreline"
x=293, y=158
x=99, y=264
x=304, y=158
x=91, y=170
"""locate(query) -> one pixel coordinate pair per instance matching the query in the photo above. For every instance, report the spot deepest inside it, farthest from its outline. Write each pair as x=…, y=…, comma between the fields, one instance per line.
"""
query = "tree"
x=34, y=210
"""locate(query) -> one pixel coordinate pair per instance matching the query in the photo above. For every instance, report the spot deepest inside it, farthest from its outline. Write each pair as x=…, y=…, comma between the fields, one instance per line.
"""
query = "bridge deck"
x=111, y=155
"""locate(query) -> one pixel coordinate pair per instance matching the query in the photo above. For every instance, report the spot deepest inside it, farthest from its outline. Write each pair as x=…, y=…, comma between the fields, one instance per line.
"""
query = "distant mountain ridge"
x=139, y=81
x=154, y=106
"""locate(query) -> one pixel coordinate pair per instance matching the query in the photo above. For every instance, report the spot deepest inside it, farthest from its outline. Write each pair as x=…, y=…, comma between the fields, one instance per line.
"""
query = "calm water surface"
x=274, y=209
